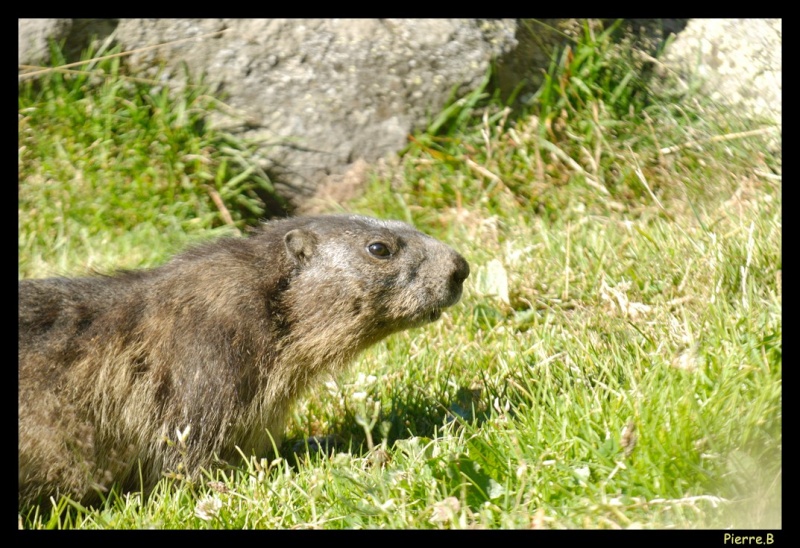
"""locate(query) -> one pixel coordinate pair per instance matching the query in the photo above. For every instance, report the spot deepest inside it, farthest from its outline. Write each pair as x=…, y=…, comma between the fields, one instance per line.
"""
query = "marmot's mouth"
x=433, y=315
x=422, y=318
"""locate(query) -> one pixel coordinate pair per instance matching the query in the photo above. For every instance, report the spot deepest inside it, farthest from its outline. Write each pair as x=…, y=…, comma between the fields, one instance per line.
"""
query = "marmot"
x=220, y=340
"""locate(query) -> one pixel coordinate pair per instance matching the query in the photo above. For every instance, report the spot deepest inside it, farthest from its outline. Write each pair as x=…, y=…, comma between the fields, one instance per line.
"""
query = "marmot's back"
x=220, y=340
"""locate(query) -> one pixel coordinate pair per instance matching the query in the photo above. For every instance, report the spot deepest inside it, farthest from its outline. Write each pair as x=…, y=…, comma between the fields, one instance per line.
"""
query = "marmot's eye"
x=378, y=249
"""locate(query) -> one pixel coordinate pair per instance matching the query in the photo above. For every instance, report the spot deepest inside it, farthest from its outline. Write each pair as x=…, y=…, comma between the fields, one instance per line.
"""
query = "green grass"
x=107, y=161
x=615, y=361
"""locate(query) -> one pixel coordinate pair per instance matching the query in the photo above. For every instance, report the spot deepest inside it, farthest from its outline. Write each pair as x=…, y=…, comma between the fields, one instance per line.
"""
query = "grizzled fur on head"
x=221, y=339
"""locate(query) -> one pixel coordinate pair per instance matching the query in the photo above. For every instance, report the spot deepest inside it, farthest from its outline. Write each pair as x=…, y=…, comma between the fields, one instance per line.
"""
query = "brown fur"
x=221, y=339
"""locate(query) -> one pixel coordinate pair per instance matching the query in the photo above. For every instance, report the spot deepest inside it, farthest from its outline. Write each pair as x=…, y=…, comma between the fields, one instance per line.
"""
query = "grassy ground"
x=615, y=361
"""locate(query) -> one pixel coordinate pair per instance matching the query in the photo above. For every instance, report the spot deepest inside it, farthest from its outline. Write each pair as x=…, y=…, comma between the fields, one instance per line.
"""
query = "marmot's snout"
x=459, y=273
x=450, y=272
x=460, y=270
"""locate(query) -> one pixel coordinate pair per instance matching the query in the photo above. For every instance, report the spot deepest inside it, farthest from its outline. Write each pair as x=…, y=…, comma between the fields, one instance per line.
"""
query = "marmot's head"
x=368, y=278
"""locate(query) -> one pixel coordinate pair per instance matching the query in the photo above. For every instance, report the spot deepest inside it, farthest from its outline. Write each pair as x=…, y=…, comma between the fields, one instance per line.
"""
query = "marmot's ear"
x=301, y=245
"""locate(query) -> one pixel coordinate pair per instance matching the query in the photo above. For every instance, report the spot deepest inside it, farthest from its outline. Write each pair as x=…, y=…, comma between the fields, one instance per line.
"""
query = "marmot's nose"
x=460, y=270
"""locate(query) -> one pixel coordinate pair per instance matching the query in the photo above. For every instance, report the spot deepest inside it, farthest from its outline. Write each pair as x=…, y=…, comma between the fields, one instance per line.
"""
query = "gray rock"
x=738, y=62
x=33, y=38
x=320, y=94
x=74, y=34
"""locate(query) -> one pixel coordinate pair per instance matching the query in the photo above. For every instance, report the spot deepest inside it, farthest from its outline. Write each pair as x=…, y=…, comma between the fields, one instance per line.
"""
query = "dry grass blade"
x=718, y=138
x=574, y=165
